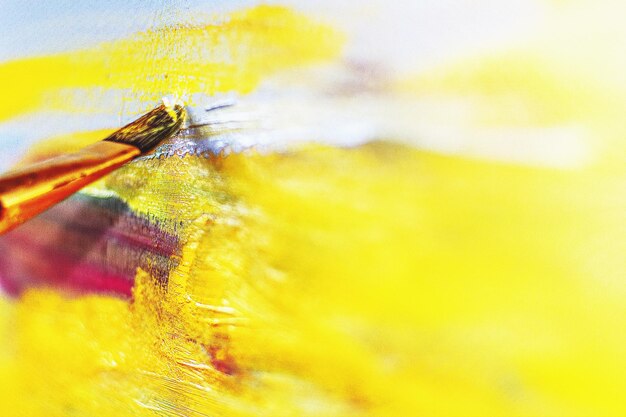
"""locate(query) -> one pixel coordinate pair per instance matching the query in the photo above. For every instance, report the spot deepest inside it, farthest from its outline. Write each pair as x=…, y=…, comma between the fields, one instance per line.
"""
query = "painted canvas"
x=373, y=208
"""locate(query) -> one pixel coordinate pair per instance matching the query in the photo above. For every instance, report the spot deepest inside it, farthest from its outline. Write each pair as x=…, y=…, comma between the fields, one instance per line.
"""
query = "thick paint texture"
x=373, y=281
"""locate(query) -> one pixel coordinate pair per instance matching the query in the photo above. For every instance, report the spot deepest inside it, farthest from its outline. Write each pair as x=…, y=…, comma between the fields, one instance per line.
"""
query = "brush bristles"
x=152, y=128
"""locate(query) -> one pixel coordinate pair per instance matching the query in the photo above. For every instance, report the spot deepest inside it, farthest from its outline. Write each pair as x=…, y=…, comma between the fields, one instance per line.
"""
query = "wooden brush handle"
x=28, y=191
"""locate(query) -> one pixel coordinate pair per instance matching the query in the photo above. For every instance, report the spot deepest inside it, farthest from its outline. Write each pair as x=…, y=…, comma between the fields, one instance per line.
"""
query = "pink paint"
x=85, y=245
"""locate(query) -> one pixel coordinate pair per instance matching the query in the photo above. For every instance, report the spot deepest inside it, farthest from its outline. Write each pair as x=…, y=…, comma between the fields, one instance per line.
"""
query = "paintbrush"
x=30, y=190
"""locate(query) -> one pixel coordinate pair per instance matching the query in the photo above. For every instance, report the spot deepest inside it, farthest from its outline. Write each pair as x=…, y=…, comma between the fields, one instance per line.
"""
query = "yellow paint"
x=518, y=88
x=568, y=73
x=374, y=281
x=232, y=54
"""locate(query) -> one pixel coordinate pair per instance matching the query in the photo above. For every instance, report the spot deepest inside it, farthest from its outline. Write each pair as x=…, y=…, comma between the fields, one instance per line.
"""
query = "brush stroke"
x=234, y=53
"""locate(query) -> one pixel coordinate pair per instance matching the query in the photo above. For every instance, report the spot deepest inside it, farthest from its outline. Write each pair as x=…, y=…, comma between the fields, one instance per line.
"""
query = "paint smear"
x=231, y=54
x=372, y=281
x=520, y=88
x=569, y=75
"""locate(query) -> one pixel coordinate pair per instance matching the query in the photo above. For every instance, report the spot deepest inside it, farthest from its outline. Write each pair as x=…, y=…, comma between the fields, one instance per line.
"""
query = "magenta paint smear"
x=86, y=245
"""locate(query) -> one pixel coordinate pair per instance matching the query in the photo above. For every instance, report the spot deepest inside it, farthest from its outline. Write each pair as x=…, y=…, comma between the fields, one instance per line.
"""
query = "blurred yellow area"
x=569, y=74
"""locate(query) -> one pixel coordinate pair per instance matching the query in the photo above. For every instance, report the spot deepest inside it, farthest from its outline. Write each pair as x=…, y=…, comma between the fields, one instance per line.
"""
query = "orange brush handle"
x=28, y=191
